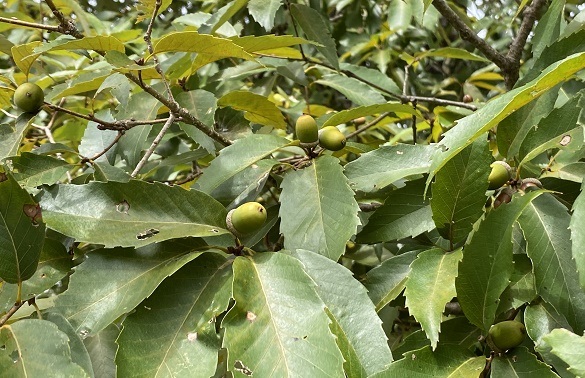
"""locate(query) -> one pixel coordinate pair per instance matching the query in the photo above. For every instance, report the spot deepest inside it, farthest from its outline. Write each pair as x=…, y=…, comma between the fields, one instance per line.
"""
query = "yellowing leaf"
x=258, y=108
x=24, y=55
x=145, y=9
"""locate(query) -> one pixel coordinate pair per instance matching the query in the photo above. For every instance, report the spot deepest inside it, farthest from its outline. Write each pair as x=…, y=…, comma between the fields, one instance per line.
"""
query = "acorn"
x=331, y=138
x=505, y=196
x=500, y=174
x=529, y=184
x=29, y=97
x=246, y=218
x=506, y=335
x=467, y=98
x=307, y=131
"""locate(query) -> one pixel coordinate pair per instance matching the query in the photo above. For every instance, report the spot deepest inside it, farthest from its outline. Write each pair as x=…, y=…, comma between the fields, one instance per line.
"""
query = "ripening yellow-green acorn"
x=506, y=335
x=306, y=129
x=29, y=97
x=499, y=175
x=246, y=218
x=331, y=138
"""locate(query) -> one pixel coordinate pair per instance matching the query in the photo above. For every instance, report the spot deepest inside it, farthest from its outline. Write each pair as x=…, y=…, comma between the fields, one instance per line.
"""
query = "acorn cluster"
x=501, y=180
x=310, y=136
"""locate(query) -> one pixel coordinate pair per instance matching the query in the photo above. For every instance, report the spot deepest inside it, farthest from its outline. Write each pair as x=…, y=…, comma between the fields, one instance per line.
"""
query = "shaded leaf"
x=173, y=333
x=430, y=285
x=404, y=213
x=128, y=276
x=568, y=347
x=237, y=157
x=11, y=135
x=264, y=11
x=452, y=52
x=27, y=346
x=54, y=264
x=95, y=141
x=318, y=211
x=545, y=224
x=577, y=225
x=278, y=326
x=316, y=30
x=423, y=363
x=102, y=351
x=79, y=353
x=386, y=281
x=521, y=363
x=257, y=108
x=486, y=267
x=123, y=214
x=459, y=191
x=21, y=238
x=362, y=111
x=353, y=89
x=377, y=79
x=355, y=323
x=34, y=170
x=375, y=170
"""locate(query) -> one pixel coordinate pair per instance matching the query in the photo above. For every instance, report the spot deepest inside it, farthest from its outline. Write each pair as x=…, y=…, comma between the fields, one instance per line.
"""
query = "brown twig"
x=368, y=125
x=109, y=147
x=152, y=147
x=11, y=312
x=66, y=26
x=34, y=25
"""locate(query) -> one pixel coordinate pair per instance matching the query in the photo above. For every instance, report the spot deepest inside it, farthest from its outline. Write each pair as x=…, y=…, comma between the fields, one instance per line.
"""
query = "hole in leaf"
x=147, y=234
x=123, y=207
x=239, y=366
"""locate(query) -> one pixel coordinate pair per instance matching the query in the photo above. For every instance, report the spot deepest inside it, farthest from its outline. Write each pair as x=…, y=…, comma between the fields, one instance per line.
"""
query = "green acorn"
x=506, y=335
x=246, y=218
x=29, y=97
x=331, y=138
x=307, y=131
x=499, y=175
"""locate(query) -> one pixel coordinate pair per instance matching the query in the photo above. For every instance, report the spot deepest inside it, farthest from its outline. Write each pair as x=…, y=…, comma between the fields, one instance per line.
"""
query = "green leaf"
x=375, y=170
x=34, y=170
x=452, y=52
x=84, y=82
x=399, y=15
x=521, y=364
x=345, y=116
x=353, y=316
x=540, y=319
x=24, y=55
x=123, y=214
x=386, y=281
x=264, y=11
x=220, y=17
x=54, y=264
x=514, y=128
x=475, y=125
x=548, y=28
x=459, y=191
x=318, y=211
x=21, y=238
x=96, y=43
x=102, y=351
x=127, y=276
x=316, y=30
x=486, y=267
x=545, y=224
x=95, y=141
x=245, y=186
x=146, y=8
x=556, y=130
x=430, y=285
x=237, y=157
x=353, y=89
x=29, y=344
x=173, y=331
x=201, y=104
x=377, y=79
x=568, y=347
x=11, y=135
x=577, y=226
x=424, y=363
x=278, y=326
x=104, y=172
x=405, y=213
x=79, y=354
x=264, y=43
x=257, y=108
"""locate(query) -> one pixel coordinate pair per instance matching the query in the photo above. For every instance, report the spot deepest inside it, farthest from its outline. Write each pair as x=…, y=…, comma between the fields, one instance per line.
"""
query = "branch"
x=368, y=125
x=517, y=46
x=152, y=147
x=109, y=147
x=66, y=26
x=11, y=312
x=469, y=35
x=33, y=25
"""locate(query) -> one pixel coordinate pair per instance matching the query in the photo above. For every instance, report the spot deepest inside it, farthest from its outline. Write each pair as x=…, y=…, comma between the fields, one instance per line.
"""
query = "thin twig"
x=109, y=147
x=34, y=25
x=148, y=40
x=152, y=147
x=67, y=26
x=368, y=125
x=11, y=312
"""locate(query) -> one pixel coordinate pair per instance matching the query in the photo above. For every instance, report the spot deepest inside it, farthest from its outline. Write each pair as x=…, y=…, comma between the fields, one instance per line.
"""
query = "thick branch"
x=469, y=35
